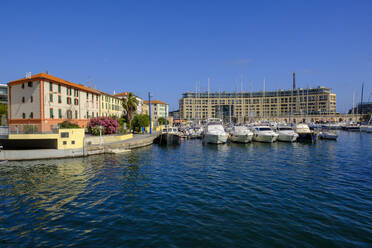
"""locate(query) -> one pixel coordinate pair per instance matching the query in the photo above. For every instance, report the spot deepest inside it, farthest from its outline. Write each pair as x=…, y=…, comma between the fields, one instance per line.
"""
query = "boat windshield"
x=264, y=129
x=285, y=129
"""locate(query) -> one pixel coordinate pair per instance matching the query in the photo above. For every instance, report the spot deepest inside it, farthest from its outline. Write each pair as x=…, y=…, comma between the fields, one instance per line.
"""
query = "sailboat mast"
x=208, y=99
x=263, y=98
x=361, y=100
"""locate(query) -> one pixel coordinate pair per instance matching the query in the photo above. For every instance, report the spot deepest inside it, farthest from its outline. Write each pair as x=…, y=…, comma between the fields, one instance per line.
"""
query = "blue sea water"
x=254, y=195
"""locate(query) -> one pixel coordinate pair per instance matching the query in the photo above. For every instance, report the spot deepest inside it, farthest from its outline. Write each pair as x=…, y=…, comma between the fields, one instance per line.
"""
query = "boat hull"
x=241, y=138
x=367, y=129
x=265, y=138
x=307, y=137
x=215, y=138
x=168, y=139
x=287, y=137
x=328, y=136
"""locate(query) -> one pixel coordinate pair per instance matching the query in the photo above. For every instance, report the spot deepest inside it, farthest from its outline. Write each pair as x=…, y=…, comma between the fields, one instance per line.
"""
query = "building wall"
x=3, y=93
x=31, y=104
x=245, y=106
x=111, y=106
x=81, y=106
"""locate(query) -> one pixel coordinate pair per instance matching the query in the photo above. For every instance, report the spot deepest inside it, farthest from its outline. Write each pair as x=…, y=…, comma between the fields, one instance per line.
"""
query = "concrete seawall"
x=112, y=147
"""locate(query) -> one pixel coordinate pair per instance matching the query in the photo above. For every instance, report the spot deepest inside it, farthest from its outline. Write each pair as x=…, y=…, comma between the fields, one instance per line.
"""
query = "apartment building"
x=3, y=93
x=45, y=101
x=242, y=106
x=111, y=105
x=158, y=109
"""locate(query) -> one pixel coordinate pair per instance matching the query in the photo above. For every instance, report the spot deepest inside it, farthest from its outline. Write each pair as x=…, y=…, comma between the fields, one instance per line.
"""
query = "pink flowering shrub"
x=110, y=125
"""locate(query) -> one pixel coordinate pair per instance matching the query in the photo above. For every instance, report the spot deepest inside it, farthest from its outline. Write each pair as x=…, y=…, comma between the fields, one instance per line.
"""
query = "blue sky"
x=166, y=46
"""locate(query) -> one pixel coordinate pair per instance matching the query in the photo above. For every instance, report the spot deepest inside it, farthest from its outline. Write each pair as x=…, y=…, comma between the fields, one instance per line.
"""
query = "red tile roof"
x=154, y=101
x=55, y=80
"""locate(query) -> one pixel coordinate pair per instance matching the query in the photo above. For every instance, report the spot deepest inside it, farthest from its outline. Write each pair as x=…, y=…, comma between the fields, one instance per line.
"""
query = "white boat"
x=264, y=134
x=327, y=135
x=286, y=133
x=241, y=134
x=214, y=133
x=351, y=126
x=367, y=128
x=304, y=133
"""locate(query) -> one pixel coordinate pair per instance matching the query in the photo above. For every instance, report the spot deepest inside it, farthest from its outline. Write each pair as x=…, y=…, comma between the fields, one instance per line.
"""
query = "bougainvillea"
x=110, y=125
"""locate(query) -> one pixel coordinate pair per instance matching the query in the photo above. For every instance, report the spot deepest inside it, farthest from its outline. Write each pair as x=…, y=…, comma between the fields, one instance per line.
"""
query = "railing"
x=31, y=129
x=4, y=130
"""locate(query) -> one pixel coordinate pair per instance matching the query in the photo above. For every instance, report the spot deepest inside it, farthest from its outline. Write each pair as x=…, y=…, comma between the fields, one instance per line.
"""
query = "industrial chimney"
x=294, y=80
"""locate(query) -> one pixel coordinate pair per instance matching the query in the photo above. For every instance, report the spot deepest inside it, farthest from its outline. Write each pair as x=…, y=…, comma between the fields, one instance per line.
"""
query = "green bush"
x=140, y=121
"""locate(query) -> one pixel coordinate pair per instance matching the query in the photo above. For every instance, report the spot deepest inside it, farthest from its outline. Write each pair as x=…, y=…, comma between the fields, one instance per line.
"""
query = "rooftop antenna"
x=28, y=74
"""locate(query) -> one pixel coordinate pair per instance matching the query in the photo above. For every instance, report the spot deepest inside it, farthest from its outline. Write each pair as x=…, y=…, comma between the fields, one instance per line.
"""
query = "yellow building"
x=111, y=105
x=240, y=107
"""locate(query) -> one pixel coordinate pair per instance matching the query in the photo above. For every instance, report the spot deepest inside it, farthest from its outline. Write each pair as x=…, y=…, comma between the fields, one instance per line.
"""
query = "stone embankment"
x=92, y=145
x=137, y=141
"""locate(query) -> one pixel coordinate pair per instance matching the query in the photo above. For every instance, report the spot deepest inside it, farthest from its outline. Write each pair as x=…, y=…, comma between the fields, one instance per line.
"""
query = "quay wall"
x=118, y=144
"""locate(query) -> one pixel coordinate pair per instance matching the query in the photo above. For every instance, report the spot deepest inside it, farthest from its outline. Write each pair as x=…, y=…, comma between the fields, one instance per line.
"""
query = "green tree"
x=140, y=121
x=3, y=110
x=161, y=121
x=130, y=104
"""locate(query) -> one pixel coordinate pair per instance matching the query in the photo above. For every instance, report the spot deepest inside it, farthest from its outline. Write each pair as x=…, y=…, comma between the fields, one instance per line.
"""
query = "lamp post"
x=150, y=113
x=100, y=134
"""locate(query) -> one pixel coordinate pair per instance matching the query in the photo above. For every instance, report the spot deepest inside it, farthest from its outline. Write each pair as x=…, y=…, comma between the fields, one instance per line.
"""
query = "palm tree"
x=130, y=104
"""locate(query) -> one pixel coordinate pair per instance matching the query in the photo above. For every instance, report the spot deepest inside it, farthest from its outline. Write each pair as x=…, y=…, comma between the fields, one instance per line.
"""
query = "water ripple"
x=254, y=195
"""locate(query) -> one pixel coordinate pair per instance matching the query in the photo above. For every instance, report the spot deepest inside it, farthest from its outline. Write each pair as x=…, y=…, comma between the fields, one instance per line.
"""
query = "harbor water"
x=194, y=195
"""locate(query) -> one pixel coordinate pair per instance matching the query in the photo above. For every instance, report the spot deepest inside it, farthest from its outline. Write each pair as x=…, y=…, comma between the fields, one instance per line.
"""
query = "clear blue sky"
x=166, y=46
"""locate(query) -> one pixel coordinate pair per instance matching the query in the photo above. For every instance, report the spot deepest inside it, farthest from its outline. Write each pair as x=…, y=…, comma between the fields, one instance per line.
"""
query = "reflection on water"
x=231, y=195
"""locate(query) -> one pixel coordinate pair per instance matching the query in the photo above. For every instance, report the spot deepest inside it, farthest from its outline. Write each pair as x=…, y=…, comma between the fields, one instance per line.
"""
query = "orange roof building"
x=45, y=101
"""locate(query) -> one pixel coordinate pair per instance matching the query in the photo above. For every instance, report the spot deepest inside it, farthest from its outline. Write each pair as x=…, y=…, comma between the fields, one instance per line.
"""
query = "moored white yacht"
x=264, y=134
x=304, y=133
x=214, y=133
x=286, y=133
x=241, y=134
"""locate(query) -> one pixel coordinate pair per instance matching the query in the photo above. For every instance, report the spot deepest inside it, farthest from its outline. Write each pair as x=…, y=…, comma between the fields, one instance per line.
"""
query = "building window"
x=24, y=116
x=60, y=113
x=29, y=84
x=69, y=114
x=50, y=86
x=31, y=115
x=59, y=99
x=76, y=101
x=65, y=134
x=23, y=86
x=73, y=142
x=32, y=99
x=87, y=95
x=59, y=88
x=92, y=114
x=68, y=100
x=23, y=99
x=51, y=113
x=51, y=97
x=87, y=114
x=76, y=114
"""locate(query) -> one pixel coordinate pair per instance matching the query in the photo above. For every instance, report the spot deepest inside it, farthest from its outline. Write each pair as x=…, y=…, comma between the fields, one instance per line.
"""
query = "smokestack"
x=294, y=80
